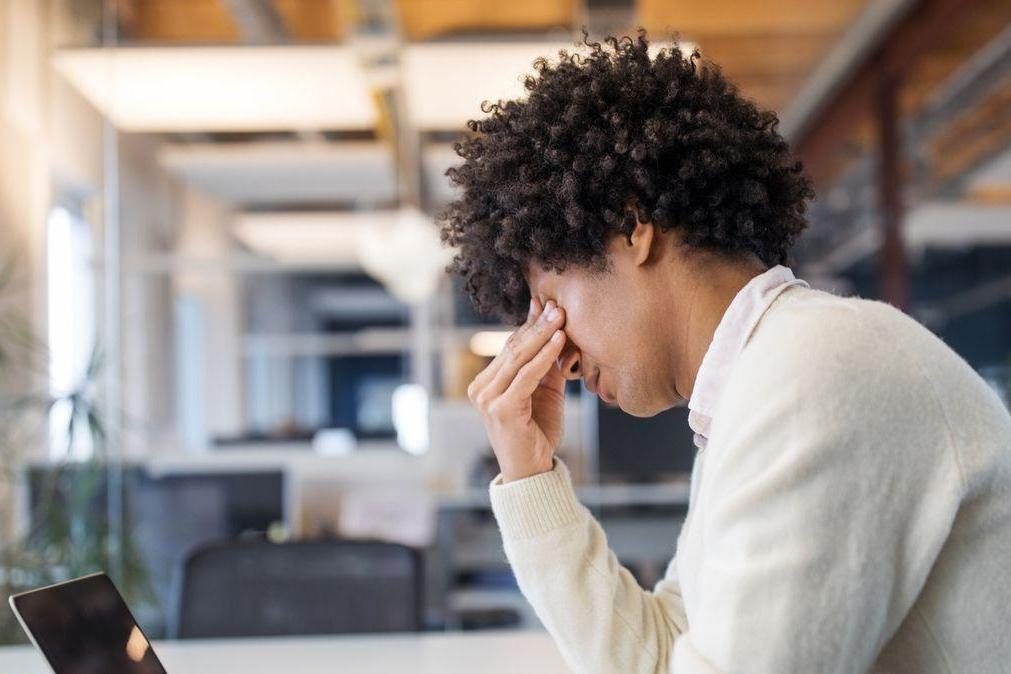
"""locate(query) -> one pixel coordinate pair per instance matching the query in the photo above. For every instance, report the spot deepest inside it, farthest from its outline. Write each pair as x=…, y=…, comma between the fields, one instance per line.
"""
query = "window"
x=71, y=326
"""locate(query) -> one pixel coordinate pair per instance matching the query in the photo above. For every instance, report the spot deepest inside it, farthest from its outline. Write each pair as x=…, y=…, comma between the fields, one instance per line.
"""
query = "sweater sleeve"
x=830, y=488
x=596, y=612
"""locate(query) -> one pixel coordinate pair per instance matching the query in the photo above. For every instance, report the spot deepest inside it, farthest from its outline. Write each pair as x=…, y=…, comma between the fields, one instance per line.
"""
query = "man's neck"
x=703, y=296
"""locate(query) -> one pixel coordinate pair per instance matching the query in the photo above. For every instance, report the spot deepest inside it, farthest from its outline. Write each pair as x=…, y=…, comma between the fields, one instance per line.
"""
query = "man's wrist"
x=514, y=475
x=538, y=505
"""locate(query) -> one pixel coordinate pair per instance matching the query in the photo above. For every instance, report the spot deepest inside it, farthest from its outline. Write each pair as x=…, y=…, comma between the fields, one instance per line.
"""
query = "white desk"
x=492, y=652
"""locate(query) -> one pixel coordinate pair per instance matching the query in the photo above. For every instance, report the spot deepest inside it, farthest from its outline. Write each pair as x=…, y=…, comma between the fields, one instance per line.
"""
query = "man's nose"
x=570, y=362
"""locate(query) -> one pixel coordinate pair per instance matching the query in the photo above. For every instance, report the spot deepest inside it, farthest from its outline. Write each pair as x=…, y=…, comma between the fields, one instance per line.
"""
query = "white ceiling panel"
x=329, y=239
x=264, y=173
x=233, y=88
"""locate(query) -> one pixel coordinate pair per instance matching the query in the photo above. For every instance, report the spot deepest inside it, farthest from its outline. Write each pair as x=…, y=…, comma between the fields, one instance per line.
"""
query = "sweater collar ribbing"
x=732, y=333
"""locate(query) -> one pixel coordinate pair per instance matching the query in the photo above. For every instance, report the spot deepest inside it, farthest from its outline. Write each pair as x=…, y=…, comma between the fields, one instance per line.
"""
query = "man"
x=850, y=505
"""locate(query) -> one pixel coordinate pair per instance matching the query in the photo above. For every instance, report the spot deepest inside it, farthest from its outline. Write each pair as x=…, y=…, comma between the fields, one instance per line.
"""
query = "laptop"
x=83, y=626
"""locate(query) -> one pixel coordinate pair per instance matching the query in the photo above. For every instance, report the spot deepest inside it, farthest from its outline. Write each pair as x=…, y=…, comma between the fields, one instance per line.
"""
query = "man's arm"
x=602, y=621
x=595, y=610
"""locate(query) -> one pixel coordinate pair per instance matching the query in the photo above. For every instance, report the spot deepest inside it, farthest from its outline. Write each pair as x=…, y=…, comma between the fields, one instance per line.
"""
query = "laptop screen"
x=83, y=626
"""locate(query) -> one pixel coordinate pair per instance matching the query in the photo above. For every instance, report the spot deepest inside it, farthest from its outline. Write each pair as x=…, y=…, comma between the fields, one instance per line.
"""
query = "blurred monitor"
x=642, y=450
x=374, y=416
x=166, y=513
x=361, y=393
x=174, y=512
x=232, y=503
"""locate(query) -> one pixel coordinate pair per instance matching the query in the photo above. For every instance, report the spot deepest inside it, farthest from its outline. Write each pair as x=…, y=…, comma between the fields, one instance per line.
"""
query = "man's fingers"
x=487, y=374
x=530, y=375
x=521, y=348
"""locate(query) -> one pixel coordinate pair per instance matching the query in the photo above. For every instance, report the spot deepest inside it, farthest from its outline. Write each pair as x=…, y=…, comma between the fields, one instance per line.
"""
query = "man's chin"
x=646, y=411
x=638, y=410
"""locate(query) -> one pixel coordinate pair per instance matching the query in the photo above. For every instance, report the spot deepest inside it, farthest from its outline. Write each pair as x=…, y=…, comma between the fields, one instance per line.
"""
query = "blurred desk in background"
x=499, y=652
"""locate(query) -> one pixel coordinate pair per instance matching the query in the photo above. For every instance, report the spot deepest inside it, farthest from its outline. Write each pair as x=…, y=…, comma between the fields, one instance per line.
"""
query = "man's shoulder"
x=851, y=351
x=834, y=328
x=817, y=307
x=820, y=363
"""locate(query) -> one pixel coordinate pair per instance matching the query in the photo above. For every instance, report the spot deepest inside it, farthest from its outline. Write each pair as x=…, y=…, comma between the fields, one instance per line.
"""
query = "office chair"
x=259, y=588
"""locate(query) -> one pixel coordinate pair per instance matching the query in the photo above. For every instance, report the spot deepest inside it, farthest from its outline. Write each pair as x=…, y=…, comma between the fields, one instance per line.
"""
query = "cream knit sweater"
x=851, y=513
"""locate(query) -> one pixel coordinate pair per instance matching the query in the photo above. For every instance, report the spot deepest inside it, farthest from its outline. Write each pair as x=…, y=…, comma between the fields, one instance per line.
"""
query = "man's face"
x=613, y=342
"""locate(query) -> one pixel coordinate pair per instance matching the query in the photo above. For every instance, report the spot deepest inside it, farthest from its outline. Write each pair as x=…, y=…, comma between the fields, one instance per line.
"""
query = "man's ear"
x=640, y=241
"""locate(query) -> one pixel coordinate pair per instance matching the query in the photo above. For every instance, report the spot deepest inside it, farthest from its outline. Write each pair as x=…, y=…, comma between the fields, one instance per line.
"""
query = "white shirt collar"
x=729, y=339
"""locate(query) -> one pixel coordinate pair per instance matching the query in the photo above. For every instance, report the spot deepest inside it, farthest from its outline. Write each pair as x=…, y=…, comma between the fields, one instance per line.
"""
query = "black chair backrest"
x=258, y=588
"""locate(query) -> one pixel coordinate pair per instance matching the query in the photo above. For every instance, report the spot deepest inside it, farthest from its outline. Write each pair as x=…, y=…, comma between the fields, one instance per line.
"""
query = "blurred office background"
x=232, y=369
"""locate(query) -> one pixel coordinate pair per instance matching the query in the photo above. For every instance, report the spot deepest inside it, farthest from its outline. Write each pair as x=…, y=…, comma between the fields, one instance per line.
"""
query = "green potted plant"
x=69, y=533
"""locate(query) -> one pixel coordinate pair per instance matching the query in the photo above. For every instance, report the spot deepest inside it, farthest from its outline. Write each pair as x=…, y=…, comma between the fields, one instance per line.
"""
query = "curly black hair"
x=605, y=138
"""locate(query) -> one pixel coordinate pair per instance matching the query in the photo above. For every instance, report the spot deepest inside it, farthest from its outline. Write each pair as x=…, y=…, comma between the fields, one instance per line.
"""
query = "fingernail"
x=552, y=313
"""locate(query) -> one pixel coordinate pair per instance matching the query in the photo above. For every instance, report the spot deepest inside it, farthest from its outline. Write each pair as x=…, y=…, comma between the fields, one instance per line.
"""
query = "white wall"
x=218, y=367
x=270, y=399
x=24, y=179
x=48, y=143
x=149, y=215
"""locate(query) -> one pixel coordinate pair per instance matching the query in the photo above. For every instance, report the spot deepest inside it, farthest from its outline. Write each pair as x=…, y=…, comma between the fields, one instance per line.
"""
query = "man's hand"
x=521, y=395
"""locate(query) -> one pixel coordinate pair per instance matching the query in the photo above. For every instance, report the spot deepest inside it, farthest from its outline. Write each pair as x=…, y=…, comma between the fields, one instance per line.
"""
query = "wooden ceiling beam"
x=189, y=21
x=426, y=19
x=315, y=20
x=769, y=16
x=216, y=21
x=990, y=194
x=768, y=95
x=897, y=54
x=772, y=53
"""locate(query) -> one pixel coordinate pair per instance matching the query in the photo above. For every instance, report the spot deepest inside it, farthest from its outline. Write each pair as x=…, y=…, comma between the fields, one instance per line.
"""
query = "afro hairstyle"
x=600, y=140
